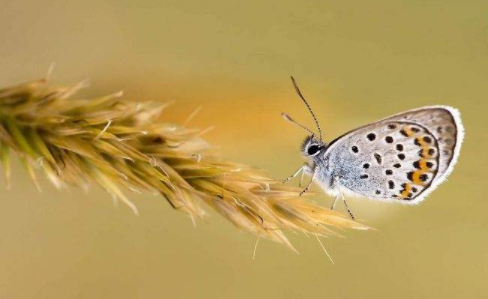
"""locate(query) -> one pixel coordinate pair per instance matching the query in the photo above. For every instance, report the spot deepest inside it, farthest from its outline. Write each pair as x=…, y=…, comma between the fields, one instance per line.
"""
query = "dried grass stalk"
x=127, y=145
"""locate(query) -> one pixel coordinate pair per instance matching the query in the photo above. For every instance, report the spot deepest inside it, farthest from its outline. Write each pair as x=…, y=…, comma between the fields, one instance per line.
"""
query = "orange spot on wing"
x=422, y=162
x=425, y=147
x=416, y=177
x=406, y=191
x=408, y=132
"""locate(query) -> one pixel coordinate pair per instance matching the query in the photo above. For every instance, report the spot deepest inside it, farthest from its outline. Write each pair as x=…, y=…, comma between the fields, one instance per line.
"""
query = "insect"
x=401, y=158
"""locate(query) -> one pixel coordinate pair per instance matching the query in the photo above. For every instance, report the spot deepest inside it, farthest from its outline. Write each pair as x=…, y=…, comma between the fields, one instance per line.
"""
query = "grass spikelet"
x=128, y=146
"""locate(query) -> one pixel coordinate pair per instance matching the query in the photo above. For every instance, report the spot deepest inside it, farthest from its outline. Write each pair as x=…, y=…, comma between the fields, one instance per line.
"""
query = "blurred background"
x=356, y=62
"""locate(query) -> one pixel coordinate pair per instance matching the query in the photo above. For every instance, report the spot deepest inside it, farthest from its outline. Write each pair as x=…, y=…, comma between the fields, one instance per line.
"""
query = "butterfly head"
x=312, y=147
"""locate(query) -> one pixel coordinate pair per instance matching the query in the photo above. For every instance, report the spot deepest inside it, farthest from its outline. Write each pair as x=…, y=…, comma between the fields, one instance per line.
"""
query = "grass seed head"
x=128, y=146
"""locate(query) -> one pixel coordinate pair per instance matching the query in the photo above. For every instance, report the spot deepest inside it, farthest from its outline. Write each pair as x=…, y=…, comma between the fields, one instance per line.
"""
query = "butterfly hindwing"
x=399, y=158
x=445, y=124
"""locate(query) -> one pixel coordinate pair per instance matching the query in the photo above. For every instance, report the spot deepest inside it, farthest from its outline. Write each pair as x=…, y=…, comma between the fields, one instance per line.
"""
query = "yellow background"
x=356, y=61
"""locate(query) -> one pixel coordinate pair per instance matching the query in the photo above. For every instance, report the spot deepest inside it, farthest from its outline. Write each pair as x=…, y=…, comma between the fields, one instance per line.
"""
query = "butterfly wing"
x=445, y=124
x=403, y=157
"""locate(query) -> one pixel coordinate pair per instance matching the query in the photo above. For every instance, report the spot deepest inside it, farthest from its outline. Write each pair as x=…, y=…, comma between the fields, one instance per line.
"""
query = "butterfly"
x=401, y=158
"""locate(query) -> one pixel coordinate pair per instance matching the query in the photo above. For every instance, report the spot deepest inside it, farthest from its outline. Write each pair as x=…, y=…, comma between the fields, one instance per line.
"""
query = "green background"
x=356, y=62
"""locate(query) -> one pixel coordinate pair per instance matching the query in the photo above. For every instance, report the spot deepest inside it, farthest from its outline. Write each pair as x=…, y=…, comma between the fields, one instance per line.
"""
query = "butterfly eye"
x=313, y=149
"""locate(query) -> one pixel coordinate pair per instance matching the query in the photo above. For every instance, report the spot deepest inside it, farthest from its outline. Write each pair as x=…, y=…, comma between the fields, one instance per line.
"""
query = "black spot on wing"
x=391, y=184
x=423, y=177
x=377, y=158
x=410, y=175
x=371, y=136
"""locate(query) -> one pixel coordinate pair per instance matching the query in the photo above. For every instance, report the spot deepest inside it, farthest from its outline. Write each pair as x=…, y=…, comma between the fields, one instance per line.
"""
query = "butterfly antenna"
x=308, y=106
x=288, y=118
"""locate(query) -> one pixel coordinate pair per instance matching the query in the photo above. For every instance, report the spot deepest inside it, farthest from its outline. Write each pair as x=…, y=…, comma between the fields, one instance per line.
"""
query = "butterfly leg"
x=335, y=201
x=347, y=207
x=305, y=170
x=309, y=183
x=301, y=178
x=294, y=175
